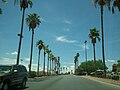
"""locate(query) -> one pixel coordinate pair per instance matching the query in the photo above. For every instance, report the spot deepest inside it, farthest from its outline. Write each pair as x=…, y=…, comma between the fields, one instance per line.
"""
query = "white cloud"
x=64, y=39
x=43, y=20
x=83, y=46
x=66, y=29
x=27, y=59
x=67, y=22
x=7, y=61
x=111, y=61
x=13, y=53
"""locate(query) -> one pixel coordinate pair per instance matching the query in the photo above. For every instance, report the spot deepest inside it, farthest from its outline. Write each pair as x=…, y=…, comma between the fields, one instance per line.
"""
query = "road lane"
x=68, y=82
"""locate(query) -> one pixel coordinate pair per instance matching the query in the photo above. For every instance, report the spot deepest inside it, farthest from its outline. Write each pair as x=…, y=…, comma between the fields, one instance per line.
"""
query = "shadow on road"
x=38, y=79
x=18, y=88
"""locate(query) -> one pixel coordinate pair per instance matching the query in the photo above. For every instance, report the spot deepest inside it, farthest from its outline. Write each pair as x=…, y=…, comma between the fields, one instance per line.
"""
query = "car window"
x=5, y=69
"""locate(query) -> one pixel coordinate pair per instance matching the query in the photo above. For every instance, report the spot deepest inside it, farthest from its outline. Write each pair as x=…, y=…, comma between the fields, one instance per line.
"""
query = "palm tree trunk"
x=94, y=57
x=103, y=53
x=44, y=64
x=48, y=66
x=75, y=67
x=52, y=66
x=31, y=52
x=38, y=63
x=20, y=35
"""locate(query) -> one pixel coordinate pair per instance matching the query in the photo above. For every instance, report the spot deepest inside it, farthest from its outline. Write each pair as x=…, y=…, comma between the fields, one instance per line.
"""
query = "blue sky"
x=65, y=26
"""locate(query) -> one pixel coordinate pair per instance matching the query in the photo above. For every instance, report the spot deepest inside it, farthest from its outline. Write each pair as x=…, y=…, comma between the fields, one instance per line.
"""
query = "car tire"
x=23, y=85
x=5, y=86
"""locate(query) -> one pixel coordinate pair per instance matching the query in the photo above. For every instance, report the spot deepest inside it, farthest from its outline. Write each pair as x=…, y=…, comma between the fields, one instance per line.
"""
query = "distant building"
x=115, y=67
x=66, y=69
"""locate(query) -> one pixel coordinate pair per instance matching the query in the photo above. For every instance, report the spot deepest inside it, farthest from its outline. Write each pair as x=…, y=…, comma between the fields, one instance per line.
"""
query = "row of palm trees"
x=102, y=3
x=53, y=63
x=33, y=20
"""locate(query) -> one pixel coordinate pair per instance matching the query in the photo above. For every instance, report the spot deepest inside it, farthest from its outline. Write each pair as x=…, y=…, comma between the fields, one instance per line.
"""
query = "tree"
x=32, y=21
x=102, y=3
x=118, y=62
x=23, y=5
x=50, y=62
x=39, y=44
x=45, y=49
x=52, y=57
x=0, y=11
x=76, y=61
x=48, y=52
x=58, y=65
x=93, y=35
x=90, y=65
x=116, y=3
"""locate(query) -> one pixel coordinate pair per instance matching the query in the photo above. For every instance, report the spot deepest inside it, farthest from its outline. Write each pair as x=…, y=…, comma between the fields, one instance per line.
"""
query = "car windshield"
x=5, y=69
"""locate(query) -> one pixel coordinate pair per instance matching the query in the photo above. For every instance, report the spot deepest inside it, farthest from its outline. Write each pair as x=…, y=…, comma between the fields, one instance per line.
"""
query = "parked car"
x=12, y=75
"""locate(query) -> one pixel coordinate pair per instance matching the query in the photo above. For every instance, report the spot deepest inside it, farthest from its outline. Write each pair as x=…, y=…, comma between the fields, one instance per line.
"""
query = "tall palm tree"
x=76, y=61
x=58, y=65
x=0, y=11
x=102, y=3
x=23, y=5
x=48, y=52
x=116, y=3
x=52, y=57
x=77, y=58
x=39, y=44
x=55, y=64
x=44, y=48
x=50, y=62
x=93, y=35
x=32, y=21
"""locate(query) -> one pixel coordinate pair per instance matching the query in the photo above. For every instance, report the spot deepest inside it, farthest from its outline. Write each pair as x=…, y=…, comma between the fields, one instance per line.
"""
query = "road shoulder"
x=102, y=80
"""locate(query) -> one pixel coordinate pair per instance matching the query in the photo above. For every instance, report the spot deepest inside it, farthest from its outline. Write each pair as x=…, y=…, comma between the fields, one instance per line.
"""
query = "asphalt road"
x=68, y=82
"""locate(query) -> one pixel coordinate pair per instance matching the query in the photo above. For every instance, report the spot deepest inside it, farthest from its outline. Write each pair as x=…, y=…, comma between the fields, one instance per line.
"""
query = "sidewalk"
x=115, y=82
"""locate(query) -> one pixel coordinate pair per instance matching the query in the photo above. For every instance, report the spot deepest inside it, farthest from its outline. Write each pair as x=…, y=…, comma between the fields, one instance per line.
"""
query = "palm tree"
x=32, y=21
x=50, y=62
x=116, y=3
x=23, y=5
x=48, y=52
x=102, y=3
x=76, y=61
x=44, y=48
x=52, y=57
x=58, y=65
x=39, y=44
x=0, y=11
x=55, y=64
x=93, y=35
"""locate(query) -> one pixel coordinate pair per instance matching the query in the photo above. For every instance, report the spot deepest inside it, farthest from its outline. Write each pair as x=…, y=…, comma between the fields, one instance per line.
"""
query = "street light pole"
x=86, y=55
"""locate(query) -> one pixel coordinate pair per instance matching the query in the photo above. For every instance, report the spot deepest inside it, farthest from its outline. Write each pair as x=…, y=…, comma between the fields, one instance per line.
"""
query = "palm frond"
x=116, y=3
x=5, y=1
x=94, y=33
x=30, y=3
x=0, y=11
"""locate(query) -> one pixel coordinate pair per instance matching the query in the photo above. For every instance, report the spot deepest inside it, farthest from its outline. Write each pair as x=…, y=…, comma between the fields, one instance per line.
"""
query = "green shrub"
x=116, y=77
x=33, y=74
